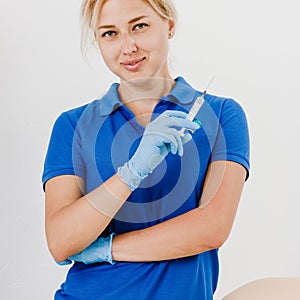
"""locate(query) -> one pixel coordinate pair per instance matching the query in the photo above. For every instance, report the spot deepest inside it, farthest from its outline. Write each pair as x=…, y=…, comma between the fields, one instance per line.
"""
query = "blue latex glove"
x=161, y=136
x=98, y=251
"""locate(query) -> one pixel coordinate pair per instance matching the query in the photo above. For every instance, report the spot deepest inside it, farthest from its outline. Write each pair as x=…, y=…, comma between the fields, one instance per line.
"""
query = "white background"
x=252, y=47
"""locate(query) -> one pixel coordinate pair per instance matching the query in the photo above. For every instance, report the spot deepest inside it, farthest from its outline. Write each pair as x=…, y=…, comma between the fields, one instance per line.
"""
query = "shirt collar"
x=110, y=101
x=182, y=92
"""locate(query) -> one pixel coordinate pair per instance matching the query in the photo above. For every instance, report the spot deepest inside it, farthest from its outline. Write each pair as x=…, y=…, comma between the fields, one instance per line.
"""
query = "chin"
x=142, y=77
x=134, y=77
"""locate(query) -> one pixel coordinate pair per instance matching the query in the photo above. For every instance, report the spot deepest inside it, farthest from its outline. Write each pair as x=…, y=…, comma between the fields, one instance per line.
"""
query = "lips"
x=133, y=64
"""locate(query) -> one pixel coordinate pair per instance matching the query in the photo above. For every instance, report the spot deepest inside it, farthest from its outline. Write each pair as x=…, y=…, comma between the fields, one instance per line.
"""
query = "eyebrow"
x=130, y=22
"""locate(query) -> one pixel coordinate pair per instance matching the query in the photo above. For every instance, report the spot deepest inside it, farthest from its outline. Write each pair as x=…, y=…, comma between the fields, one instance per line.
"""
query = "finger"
x=186, y=138
x=179, y=141
x=170, y=138
x=176, y=142
x=171, y=143
x=174, y=122
x=183, y=123
x=174, y=113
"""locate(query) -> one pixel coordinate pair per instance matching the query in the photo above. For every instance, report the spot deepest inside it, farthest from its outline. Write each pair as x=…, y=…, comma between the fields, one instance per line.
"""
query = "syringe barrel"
x=195, y=108
x=193, y=112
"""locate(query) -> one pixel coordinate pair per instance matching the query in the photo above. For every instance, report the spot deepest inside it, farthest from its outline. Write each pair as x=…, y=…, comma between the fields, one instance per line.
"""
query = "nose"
x=128, y=45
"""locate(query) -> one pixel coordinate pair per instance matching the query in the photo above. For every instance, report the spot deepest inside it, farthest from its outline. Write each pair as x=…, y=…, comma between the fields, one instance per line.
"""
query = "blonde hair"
x=90, y=10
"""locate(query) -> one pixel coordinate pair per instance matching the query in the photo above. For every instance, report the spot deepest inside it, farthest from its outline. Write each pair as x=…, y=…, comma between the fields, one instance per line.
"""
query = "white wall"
x=253, y=50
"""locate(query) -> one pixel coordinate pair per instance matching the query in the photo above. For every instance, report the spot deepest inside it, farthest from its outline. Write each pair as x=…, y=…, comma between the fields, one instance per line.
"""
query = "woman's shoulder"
x=74, y=114
x=223, y=104
x=216, y=100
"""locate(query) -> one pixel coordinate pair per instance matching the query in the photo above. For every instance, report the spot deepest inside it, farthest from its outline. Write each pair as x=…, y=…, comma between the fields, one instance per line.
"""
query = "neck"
x=140, y=89
x=141, y=95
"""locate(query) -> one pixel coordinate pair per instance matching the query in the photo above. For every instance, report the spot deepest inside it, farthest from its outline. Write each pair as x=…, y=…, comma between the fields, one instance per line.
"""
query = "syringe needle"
x=212, y=79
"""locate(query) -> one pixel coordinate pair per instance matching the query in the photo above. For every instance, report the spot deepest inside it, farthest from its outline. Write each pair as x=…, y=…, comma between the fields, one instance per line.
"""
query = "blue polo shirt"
x=92, y=141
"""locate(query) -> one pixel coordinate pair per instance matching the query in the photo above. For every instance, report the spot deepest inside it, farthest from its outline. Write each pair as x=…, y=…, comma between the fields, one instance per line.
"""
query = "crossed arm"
x=204, y=228
x=72, y=223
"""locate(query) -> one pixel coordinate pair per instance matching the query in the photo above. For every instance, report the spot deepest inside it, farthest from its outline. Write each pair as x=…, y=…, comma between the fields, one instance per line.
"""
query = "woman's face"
x=133, y=39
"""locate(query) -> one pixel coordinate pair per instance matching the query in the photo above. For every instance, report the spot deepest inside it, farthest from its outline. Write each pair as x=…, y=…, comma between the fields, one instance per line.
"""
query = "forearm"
x=189, y=234
x=74, y=227
x=194, y=232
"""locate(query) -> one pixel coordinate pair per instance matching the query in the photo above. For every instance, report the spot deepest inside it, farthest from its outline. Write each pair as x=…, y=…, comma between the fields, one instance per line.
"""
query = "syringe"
x=196, y=107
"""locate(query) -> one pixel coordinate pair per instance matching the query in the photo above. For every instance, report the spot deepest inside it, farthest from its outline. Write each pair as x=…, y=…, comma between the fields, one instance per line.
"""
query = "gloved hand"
x=98, y=251
x=161, y=136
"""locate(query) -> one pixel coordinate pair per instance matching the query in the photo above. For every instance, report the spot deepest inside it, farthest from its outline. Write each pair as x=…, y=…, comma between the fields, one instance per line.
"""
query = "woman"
x=138, y=221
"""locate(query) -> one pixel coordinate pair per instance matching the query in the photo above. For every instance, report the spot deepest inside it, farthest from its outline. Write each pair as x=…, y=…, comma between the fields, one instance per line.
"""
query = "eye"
x=108, y=34
x=140, y=26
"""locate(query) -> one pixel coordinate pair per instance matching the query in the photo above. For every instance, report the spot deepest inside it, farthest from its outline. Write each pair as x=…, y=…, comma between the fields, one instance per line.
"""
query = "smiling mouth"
x=134, y=64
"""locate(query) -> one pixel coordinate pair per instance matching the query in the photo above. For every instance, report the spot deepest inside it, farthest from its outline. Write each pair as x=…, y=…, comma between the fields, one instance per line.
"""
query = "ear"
x=171, y=24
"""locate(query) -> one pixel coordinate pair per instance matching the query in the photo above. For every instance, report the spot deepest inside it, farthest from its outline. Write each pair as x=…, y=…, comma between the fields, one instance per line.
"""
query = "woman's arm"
x=72, y=223
x=201, y=229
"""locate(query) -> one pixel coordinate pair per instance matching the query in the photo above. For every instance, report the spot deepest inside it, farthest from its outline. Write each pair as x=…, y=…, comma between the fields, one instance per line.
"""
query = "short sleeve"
x=232, y=142
x=63, y=154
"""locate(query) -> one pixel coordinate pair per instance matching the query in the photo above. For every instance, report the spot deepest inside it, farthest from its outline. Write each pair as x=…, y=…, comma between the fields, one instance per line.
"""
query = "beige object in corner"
x=268, y=289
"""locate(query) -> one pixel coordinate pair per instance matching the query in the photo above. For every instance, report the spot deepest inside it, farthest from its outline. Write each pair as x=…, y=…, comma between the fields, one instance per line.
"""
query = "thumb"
x=186, y=138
